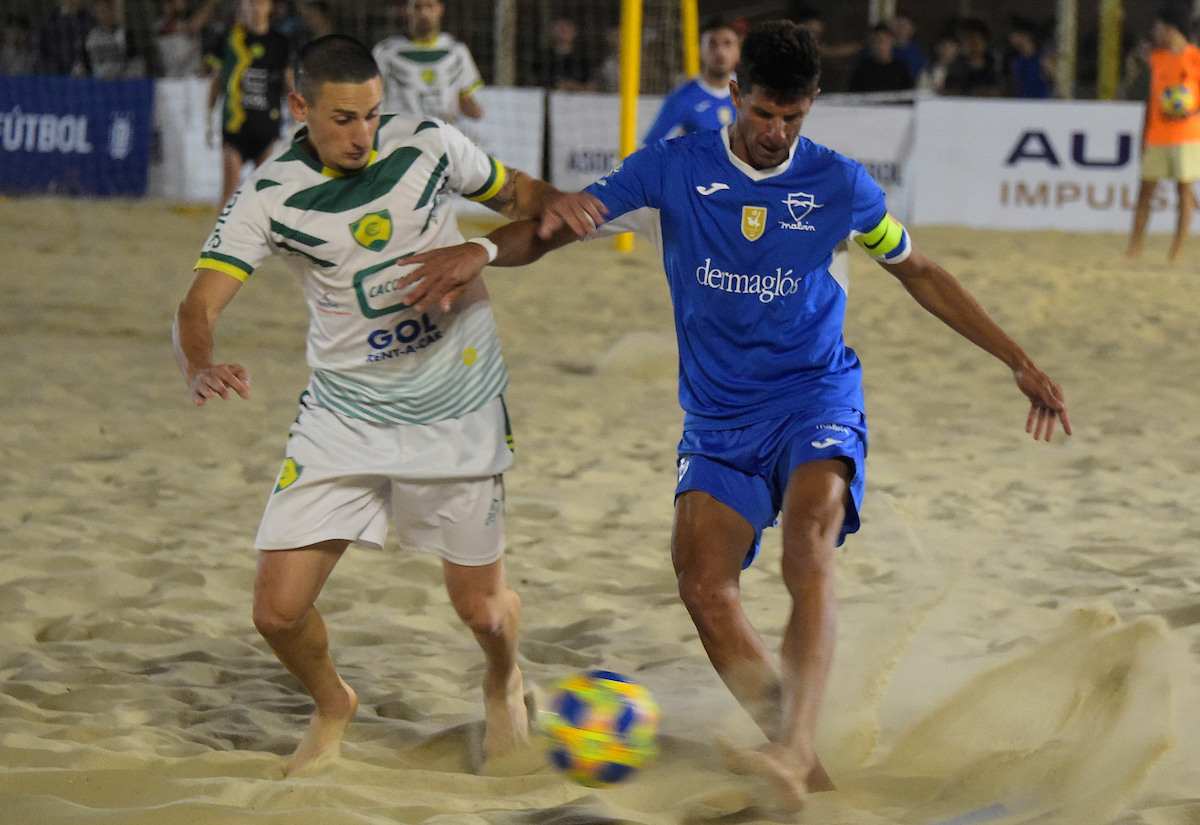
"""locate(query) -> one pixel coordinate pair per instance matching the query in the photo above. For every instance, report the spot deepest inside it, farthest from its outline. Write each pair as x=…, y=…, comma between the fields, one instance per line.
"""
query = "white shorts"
x=439, y=483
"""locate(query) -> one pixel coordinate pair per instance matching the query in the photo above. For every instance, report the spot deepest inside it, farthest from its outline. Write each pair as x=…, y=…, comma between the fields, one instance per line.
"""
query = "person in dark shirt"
x=974, y=73
x=562, y=66
x=903, y=29
x=879, y=70
x=256, y=72
x=1026, y=69
x=61, y=40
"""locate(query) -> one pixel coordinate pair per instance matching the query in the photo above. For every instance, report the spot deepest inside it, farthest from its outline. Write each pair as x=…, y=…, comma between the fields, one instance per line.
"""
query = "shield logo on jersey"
x=373, y=231
x=754, y=221
x=428, y=75
x=800, y=204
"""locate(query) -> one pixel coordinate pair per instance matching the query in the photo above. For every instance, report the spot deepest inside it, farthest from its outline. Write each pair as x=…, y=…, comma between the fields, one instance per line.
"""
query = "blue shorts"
x=748, y=468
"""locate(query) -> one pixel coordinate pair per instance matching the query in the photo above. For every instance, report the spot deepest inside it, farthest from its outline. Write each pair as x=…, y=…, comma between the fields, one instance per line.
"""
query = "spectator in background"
x=703, y=102
x=61, y=40
x=608, y=76
x=879, y=69
x=1171, y=140
x=285, y=19
x=1027, y=68
x=16, y=46
x=105, y=43
x=1135, y=82
x=177, y=37
x=316, y=20
x=974, y=72
x=562, y=66
x=903, y=30
x=807, y=17
x=945, y=51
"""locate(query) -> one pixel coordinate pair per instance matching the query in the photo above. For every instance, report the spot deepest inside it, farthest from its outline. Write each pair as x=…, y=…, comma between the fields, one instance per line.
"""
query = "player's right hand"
x=581, y=211
x=219, y=379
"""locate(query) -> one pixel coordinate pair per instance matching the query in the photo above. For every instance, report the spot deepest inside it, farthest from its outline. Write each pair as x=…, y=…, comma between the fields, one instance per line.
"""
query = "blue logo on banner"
x=70, y=136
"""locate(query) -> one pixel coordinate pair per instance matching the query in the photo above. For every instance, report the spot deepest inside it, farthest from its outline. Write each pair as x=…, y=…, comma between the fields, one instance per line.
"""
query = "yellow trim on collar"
x=333, y=173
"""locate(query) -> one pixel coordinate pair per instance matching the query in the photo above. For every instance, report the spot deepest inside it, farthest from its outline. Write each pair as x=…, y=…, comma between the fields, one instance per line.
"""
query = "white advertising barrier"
x=512, y=130
x=878, y=137
x=1070, y=165
x=184, y=168
x=585, y=135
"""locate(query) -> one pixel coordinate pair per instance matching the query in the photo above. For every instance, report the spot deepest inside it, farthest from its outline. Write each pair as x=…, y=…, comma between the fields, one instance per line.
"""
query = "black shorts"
x=253, y=139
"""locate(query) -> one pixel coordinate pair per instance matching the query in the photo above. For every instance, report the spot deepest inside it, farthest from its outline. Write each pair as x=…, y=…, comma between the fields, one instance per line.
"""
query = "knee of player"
x=484, y=616
x=703, y=594
x=809, y=556
x=273, y=621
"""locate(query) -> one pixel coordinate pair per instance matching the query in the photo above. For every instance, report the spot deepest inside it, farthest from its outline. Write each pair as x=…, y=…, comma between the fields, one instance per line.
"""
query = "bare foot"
x=506, y=717
x=786, y=781
x=324, y=736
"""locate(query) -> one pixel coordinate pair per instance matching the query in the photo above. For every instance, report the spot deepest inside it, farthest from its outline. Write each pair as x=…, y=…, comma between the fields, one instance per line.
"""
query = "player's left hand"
x=442, y=275
x=581, y=211
x=1047, y=404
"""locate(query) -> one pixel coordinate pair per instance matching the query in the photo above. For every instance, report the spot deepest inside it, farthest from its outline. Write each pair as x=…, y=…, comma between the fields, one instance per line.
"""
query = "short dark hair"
x=334, y=58
x=881, y=28
x=713, y=24
x=1175, y=15
x=780, y=56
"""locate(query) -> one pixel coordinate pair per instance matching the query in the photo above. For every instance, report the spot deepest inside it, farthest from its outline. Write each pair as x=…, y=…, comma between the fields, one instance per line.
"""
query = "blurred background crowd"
x=575, y=48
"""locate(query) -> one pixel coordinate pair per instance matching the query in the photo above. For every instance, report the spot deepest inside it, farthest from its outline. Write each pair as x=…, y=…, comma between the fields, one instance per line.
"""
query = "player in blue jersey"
x=703, y=102
x=747, y=219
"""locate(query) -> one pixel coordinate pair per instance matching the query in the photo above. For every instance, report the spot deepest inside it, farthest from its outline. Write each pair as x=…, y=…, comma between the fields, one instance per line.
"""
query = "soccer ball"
x=599, y=727
x=1178, y=100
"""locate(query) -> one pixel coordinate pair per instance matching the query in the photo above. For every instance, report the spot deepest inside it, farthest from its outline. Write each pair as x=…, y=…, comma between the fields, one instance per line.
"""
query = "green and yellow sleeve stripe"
x=494, y=184
x=225, y=263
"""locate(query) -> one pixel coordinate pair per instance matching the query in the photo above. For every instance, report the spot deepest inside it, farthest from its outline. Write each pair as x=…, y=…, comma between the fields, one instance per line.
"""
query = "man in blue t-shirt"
x=747, y=219
x=703, y=102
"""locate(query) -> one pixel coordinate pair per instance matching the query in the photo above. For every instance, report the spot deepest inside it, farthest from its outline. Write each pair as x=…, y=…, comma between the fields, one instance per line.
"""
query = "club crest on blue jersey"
x=800, y=204
x=754, y=222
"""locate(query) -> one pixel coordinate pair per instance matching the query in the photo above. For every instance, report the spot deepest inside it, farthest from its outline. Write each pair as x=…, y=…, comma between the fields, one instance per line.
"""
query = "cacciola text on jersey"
x=766, y=287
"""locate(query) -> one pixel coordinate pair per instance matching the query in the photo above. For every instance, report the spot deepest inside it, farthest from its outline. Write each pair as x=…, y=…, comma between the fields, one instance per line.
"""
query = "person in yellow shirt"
x=1171, y=140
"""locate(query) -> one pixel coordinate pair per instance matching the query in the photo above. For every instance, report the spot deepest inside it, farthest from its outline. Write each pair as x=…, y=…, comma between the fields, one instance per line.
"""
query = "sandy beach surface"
x=1020, y=623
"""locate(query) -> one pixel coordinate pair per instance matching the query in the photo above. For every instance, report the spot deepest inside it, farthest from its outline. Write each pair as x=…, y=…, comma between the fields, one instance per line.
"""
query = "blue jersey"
x=747, y=252
x=691, y=108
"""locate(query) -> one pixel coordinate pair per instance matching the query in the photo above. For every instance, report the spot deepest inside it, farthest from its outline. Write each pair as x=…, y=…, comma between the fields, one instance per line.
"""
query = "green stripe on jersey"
x=434, y=180
x=295, y=234
x=343, y=194
x=265, y=184
x=424, y=55
x=302, y=253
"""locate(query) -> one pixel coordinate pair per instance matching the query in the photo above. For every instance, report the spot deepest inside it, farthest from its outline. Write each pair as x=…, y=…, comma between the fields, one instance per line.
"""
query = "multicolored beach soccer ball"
x=1178, y=100
x=599, y=727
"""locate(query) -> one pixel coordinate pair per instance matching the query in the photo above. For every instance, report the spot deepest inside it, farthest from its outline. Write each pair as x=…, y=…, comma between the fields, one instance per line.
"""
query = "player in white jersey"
x=402, y=419
x=428, y=73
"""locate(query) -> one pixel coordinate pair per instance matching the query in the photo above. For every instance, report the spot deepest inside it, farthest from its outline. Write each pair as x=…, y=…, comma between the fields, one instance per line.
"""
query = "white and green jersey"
x=425, y=78
x=345, y=238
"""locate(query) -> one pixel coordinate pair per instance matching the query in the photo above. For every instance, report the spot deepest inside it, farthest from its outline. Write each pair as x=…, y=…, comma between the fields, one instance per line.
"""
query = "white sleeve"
x=468, y=80
x=241, y=239
x=472, y=172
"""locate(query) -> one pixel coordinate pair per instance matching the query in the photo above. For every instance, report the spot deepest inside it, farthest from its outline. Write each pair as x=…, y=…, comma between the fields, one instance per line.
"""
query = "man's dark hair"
x=334, y=58
x=713, y=24
x=1176, y=15
x=781, y=57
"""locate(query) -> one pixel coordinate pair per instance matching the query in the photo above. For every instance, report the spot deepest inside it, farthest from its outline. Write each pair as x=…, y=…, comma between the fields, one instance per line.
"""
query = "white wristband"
x=488, y=246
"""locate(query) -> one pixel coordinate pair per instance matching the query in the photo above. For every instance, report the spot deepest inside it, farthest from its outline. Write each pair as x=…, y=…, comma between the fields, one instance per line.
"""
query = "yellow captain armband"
x=494, y=184
x=887, y=242
x=225, y=263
